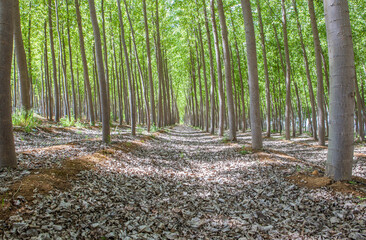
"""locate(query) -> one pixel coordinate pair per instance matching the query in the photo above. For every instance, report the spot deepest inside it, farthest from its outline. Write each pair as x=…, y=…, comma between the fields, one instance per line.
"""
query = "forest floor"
x=178, y=183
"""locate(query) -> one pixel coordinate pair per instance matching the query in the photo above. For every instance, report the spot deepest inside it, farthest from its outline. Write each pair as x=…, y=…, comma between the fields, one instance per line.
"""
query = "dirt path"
x=186, y=184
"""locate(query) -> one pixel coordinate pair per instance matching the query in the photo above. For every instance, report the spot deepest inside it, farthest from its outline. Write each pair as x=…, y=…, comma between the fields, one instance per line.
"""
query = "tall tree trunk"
x=21, y=60
x=298, y=108
x=30, y=82
x=42, y=93
x=102, y=82
x=219, y=71
x=80, y=109
x=7, y=149
x=48, y=84
x=288, y=73
x=279, y=78
x=144, y=92
x=113, y=92
x=325, y=71
x=199, y=84
x=293, y=121
x=124, y=87
x=159, y=65
x=319, y=73
x=266, y=75
x=229, y=86
x=359, y=111
x=194, y=85
x=85, y=66
x=212, y=70
x=164, y=88
x=105, y=54
x=118, y=77
x=240, y=77
x=342, y=89
x=204, y=77
x=279, y=103
x=61, y=48
x=308, y=76
x=15, y=80
x=54, y=66
x=168, y=99
x=255, y=116
x=74, y=102
x=130, y=83
x=151, y=83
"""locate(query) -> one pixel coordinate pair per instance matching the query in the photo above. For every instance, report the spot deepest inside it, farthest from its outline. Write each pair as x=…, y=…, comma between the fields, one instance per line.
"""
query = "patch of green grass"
x=139, y=130
x=282, y=137
x=352, y=182
x=197, y=128
x=66, y=122
x=225, y=140
x=26, y=121
x=80, y=125
x=245, y=152
x=154, y=128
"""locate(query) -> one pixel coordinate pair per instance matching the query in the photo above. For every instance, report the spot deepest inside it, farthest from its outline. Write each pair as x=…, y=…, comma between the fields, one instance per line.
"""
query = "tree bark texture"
x=342, y=89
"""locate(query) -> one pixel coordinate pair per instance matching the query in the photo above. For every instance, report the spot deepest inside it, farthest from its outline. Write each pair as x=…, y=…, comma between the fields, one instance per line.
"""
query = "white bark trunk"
x=342, y=89
x=255, y=114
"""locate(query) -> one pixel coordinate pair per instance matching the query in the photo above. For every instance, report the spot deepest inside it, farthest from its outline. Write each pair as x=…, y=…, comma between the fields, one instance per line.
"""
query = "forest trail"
x=179, y=183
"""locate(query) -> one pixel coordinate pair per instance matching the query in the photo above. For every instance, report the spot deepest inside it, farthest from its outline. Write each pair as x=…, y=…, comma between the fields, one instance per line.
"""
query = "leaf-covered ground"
x=179, y=183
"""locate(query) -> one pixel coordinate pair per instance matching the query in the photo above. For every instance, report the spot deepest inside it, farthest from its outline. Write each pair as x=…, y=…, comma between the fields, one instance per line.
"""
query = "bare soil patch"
x=43, y=181
x=316, y=180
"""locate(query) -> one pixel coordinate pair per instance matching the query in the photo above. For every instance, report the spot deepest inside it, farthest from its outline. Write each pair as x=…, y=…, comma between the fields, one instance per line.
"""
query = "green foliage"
x=245, y=152
x=154, y=128
x=28, y=122
x=140, y=130
x=79, y=124
x=178, y=20
x=66, y=122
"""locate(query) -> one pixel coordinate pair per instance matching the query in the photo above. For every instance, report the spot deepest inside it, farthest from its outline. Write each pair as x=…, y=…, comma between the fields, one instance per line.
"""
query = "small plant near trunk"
x=26, y=121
